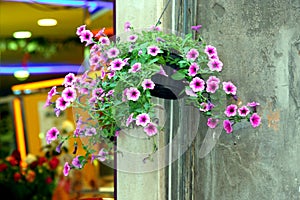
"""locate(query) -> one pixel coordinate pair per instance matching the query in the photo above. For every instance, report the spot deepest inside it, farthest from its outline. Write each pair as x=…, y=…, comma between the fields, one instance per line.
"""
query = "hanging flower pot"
x=167, y=87
x=128, y=72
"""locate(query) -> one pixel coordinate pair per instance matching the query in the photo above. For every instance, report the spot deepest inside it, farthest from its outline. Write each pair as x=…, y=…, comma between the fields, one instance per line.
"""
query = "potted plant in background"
x=115, y=90
x=35, y=179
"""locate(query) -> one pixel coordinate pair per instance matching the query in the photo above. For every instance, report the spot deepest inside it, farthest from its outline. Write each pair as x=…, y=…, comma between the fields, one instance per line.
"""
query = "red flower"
x=48, y=180
x=42, y=160
x=53, y=163
x=33, y=165
x=17, y=156
x=12, y=160
x=3, y=167
x=17, y=176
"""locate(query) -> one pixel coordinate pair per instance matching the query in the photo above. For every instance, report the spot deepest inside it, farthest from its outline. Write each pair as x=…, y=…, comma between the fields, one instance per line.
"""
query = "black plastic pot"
x=165, y=86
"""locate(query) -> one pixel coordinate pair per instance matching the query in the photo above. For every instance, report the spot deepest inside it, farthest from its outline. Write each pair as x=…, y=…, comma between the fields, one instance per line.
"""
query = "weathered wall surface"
x=259, y=44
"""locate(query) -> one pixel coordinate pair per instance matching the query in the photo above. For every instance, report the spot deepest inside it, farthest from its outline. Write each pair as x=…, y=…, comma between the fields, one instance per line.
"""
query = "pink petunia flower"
x=214, y=79
x=127, y=26
x=255, y=120
x=110, y=93
x=92, y=101
x=103, y=73
x=204, y=107
x=135, y=68
x=197, y=84
x=159, y=39
x=129, y=120
x=227, y=126
x=117, y=64
x=253, y=105
x=132, y=38
x=100, y=33
x=133, y=94
x=153, y=50
x=69, y=80
x=215, y=65
x=69, y=94
x=126, y=61
x=150, y=129
x=212, y=86
x=117, y=133
x=231, y=110
x=229, y=88
x=47, y=103
x=190, y=92
x=98, y=93
x=155, y=28
x=76, y=162
x=192, y=54
x=102, y=155
x=111, y=74
x=104, y=41
x=57, y=112
x=243, y=111
x=124, y=95
x=142, y=119
x=113, y=52
x=212, y=122
x=61, y=104
x=193, y=69
x=162, y=71
x=86, y=36
x=78, y=131
x=94, y=60
x=148, y=84
x=52, y=135
x=196, y=28
x=130, y=48
x=210, y=51
x=51, y=93
x=95, y=49
x=90, y=131
x=80, y=29
x=214, y=57
x=67, y=169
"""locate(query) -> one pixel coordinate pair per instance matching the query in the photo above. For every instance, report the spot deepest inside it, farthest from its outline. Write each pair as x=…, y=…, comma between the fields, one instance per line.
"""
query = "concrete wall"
x=141, y=14
x=259, y=44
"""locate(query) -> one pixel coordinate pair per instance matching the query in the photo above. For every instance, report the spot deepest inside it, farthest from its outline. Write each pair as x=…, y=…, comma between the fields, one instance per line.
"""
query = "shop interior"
x=33, y=63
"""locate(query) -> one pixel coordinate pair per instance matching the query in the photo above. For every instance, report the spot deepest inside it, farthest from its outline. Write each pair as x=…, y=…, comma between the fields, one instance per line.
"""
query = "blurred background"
x=38, y=47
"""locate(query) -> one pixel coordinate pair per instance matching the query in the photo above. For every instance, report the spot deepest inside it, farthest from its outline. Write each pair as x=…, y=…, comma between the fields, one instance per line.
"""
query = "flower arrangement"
x=34, y=179
x=123, y=75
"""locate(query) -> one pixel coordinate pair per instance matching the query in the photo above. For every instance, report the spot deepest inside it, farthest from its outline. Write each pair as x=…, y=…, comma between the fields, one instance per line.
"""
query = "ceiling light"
x=22, y=34
x=47, y=22
x=21, y=75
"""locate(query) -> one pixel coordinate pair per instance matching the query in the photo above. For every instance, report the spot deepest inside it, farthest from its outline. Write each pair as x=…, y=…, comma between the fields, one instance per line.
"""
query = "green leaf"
x=153, y=61
x=179, y=75
x=187, y=37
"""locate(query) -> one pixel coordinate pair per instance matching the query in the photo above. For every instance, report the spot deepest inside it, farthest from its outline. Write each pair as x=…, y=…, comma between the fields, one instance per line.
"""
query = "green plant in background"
x=123, y=74
x=7, y=136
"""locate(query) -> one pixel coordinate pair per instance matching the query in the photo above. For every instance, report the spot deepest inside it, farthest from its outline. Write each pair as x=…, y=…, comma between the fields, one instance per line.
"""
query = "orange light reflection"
x=37, y=85
x=19, y=128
